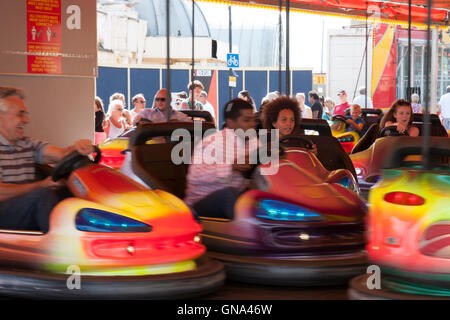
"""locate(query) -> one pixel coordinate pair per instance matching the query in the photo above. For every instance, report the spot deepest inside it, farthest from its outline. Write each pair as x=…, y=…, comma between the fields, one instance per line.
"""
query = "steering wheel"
x=73, y=161
x=391, y=131
x=339, y=118
x=302, y=142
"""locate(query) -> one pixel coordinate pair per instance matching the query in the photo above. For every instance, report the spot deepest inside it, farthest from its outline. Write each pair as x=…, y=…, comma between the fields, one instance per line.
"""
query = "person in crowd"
x=444, y=105
x=400, y=115
x=316, y=106
x=272, y=95
x=195, y=89
x=245, y=95
x=158, y=111
x=100, y=135
x=354, y=121
x=180, y=97
x=328, y=108
x=126, y=114
x=416, y=107
x=216, y=180
x=206, y=105
x=26, y=204
x=115, y=123
x=361, y=99
x=343, y=105
x=304, y=109
x=139, y=103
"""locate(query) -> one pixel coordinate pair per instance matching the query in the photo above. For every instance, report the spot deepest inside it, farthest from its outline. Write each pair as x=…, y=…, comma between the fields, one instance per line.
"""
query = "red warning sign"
x=44, y=36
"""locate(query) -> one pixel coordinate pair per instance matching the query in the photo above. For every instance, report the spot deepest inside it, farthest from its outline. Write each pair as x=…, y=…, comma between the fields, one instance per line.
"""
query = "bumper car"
x=114, y=150
x=339, y=130
x=369, y=152
x=301, y=226
x=408, y=227
x=121, y=239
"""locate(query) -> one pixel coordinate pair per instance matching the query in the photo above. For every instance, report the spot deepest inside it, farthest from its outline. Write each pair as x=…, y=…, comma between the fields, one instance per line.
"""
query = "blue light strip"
x=93, y=220
x=279, y=210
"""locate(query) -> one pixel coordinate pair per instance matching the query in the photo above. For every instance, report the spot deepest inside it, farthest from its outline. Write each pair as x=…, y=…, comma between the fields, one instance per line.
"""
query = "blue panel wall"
x=145, y=81
x=302, y=82
x=256, y=85
x=224, y=92
x=273, y=81
x=179, y=80
x=109, y=81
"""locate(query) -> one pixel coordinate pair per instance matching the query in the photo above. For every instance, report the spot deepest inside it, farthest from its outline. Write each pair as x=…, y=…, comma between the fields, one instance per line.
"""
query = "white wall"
x=345, y=55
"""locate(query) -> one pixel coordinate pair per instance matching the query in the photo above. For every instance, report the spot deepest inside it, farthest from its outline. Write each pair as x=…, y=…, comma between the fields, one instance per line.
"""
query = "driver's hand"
x=244, y=166
x=241, y=167
x=84, y=147
x=401, y=128
x=49, y=183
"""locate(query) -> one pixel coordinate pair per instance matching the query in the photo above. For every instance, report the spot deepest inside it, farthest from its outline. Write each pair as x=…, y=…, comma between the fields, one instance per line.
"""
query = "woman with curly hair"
x=283, y=114
x=400, y=115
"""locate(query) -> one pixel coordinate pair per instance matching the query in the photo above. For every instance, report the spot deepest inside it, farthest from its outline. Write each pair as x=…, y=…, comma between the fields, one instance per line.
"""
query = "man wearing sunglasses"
x=158, y=112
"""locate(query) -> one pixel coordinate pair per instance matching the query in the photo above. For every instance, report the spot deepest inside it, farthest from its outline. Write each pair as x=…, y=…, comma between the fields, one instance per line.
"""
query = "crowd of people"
x=119, y=119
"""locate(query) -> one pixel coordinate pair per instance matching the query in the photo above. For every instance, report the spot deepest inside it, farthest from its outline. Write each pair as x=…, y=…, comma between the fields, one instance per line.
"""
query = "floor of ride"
x=243, y=291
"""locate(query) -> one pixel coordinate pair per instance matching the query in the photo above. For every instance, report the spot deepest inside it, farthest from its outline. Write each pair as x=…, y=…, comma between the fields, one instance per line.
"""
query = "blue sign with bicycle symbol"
x=232, y=60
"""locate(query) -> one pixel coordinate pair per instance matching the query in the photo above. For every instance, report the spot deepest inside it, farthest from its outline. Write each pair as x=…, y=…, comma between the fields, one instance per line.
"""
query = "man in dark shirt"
x=316, y=106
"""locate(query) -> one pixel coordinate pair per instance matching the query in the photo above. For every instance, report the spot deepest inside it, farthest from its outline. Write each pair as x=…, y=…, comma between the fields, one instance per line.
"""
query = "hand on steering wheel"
x=339, y=118
x=391, y=131
x=301, y=142
x=73, y=161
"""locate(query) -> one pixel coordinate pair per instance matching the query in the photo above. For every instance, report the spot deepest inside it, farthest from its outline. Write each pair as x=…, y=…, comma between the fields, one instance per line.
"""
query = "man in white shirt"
x=444, y=104
x=206, y=105
x=361, y=99
x=304, y=109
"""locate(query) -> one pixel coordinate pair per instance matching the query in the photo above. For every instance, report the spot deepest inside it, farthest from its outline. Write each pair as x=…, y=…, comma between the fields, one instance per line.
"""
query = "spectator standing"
x=206, y=105
x=361, y=99
x=245, y=95
x=328, y=108
x=304, y=109
x=195, y=89
x=343, y=105
x=100, y=135
x=126, y=114
x=158, y=112
x=444, y=104
x=139, y=103
x=316, y=106
x=115, y=123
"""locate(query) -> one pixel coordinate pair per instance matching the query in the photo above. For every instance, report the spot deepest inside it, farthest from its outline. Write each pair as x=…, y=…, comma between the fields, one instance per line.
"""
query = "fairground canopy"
x=388, y=11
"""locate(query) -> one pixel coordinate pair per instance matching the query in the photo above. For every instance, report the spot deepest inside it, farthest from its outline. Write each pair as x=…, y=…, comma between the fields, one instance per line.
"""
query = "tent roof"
x=394, y=10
